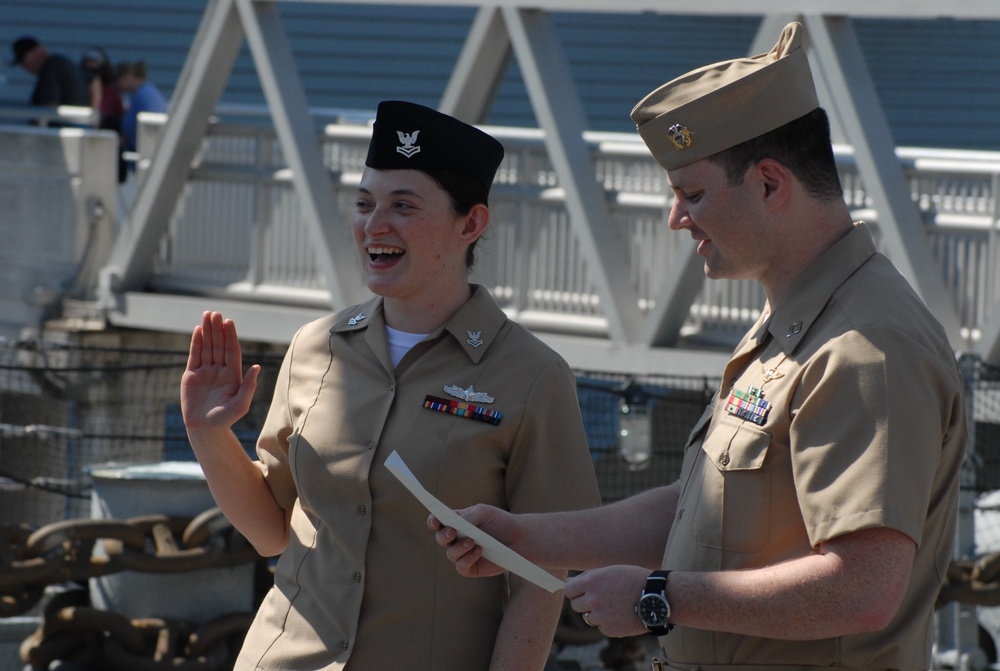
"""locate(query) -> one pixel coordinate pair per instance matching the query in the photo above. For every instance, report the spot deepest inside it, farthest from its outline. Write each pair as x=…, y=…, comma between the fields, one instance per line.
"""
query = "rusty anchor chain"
x=76, y=550
x=109, y=641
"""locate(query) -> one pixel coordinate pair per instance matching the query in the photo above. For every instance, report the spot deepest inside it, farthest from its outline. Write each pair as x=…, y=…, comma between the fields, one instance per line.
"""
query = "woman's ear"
x=475, y=223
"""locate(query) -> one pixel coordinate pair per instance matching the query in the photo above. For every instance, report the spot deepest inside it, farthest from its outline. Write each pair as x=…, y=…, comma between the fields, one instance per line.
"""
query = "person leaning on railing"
x=813, y=521
x=58, y=80
x=143, y=96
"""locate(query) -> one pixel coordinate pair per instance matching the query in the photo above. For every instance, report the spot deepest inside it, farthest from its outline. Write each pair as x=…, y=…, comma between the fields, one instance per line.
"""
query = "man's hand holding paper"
x=501, y=556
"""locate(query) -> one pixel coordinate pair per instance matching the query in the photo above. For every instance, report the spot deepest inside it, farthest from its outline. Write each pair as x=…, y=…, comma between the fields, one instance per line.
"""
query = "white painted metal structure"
x=57, y=219
x=636, y=341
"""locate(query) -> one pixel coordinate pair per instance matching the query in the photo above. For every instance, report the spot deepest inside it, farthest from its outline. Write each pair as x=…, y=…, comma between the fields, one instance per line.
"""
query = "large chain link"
x=974, y=582
x=108, y=641
x=76, y=550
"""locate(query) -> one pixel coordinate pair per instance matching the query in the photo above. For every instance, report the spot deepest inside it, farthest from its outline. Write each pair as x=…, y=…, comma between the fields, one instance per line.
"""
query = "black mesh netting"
x=637, y=427
x=983, y=401
x=64, y=408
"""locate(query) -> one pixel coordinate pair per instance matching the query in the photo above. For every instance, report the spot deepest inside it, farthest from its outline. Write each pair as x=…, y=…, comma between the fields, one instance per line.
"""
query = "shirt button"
x=392, y=387
x=357, y=577
x=724, y=459
x=362, y=509
x=371, y=444
x=344, y=645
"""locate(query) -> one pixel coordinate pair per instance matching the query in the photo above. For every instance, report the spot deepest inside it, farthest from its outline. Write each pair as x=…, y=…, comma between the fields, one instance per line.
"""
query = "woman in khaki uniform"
x=431, y=368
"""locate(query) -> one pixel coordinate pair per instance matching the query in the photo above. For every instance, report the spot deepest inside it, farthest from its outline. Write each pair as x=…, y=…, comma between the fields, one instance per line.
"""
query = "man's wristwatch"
x=653, y=608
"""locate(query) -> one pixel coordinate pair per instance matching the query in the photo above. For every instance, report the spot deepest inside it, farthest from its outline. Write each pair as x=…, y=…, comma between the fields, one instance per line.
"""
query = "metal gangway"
x=236, y=238
x=237, y=235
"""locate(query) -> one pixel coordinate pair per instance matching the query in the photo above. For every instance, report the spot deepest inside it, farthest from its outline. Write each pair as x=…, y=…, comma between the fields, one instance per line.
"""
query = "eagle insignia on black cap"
x=680, y=136
x=445, y=143
x=408, y=141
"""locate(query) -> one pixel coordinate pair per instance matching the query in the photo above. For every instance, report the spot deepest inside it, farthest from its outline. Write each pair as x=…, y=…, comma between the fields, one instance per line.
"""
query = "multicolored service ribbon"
x=463, y=409
x=749, y=405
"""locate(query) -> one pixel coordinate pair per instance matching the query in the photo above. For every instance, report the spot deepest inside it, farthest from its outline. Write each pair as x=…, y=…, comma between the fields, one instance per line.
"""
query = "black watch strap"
x=656, y=583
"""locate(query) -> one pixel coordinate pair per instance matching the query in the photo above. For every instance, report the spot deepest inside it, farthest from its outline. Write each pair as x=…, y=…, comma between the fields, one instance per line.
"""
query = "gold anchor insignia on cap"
x=680, y=136
x=474, y=338
x=468, y=394
x=353, y=321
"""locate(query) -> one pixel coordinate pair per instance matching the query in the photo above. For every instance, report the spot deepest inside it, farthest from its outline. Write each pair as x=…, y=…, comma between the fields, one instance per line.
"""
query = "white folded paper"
x=494, y=550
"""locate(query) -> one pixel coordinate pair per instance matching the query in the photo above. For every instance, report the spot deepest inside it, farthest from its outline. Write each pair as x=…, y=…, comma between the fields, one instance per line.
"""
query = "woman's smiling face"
x=408, y=235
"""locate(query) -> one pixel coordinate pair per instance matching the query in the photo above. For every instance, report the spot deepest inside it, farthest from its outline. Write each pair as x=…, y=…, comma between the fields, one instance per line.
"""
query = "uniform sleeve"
x=550, y=466
x=871, y=415
x=272, y=445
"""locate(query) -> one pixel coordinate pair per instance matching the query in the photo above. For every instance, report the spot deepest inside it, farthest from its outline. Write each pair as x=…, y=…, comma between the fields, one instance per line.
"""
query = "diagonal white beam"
x=560, y=115
x=217, y=43
x=479, y=69
x=844, y=70
x=684, y=278
x=286, y=99
x=769, y=29
x=988, y=346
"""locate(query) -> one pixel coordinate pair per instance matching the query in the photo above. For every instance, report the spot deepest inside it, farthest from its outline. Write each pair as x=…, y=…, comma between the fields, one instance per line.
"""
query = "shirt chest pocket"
x=733, y=488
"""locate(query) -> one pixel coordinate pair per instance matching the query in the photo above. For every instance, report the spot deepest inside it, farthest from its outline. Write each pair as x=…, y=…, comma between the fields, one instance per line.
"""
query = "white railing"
x=237, y=233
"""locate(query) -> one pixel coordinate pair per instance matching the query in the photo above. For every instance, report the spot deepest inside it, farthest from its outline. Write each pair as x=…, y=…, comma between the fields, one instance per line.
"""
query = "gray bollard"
x=123, y=491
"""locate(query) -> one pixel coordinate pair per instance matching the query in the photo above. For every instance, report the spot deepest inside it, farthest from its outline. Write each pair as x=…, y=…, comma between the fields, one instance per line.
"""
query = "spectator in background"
x=59, y=81
x=102, y=80
x=143, y=96
x=105, y=97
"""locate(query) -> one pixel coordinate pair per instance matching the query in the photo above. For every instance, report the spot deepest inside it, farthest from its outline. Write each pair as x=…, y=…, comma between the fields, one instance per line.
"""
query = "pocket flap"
x=736, y=445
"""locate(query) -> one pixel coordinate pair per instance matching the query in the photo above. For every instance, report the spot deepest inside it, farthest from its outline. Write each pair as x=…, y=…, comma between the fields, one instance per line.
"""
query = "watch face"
x=653, y=610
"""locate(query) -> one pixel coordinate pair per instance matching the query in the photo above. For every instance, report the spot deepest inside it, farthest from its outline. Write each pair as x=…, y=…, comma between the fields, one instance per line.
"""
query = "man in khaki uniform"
x=814, y=517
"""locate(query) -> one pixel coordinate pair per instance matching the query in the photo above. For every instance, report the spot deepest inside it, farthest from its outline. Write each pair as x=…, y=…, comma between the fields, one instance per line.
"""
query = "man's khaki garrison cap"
x=721, y=105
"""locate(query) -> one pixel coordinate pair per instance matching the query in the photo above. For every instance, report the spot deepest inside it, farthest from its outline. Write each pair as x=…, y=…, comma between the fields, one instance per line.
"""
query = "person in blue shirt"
x=143, y=97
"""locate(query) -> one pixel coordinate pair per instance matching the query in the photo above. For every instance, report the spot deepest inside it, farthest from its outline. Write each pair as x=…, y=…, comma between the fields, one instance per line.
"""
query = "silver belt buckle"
x=657, y=665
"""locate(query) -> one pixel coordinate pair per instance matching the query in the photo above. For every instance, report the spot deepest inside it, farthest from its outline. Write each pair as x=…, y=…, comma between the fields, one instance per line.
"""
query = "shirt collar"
x=358, y=317
x=476, y=324
x=474, y=327
x=790, y=322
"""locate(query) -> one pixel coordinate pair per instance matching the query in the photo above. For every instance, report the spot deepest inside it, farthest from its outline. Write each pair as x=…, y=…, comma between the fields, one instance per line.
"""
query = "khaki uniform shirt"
x=362, y=584
x=866, y=428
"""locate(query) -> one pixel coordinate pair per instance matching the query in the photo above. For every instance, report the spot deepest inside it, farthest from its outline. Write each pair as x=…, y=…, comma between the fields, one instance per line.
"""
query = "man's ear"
x=475, y=223
x=776, y=181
